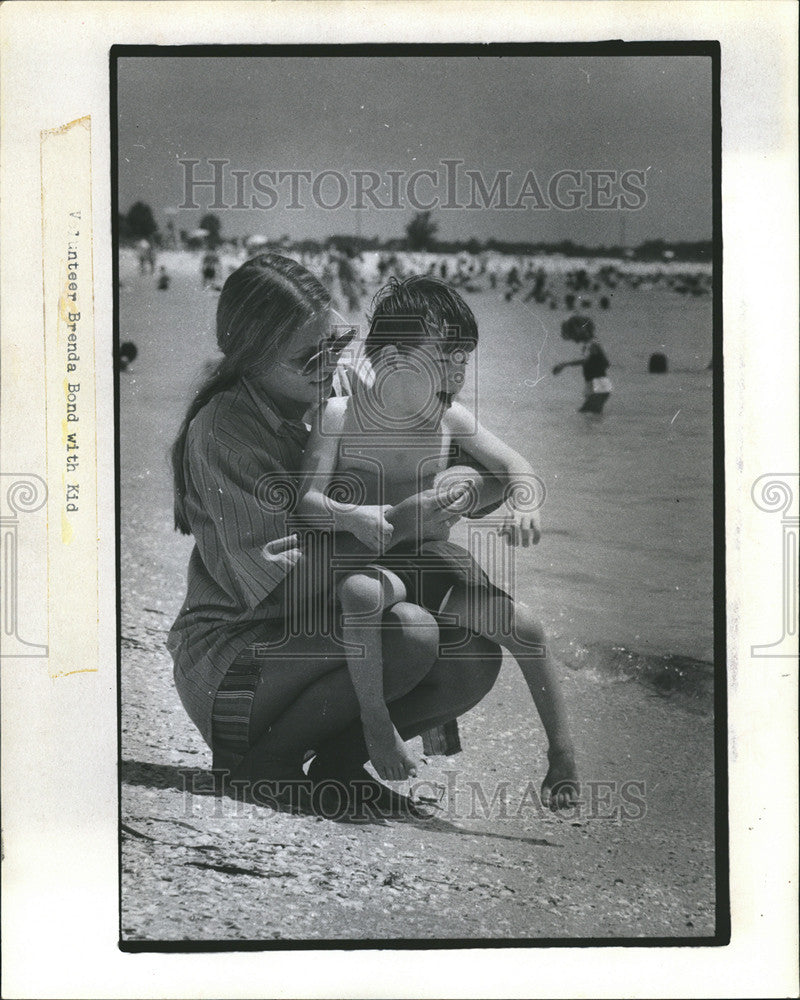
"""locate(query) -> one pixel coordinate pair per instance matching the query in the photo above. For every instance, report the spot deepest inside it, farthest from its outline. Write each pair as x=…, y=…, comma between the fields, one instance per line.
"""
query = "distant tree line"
x=420, y=235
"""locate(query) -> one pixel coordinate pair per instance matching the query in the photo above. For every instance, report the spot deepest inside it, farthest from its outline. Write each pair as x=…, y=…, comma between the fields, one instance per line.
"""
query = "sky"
x=646, y=119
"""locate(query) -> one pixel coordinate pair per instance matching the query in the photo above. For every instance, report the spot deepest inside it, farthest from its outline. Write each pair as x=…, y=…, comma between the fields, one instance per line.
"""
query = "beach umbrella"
x=254, y=244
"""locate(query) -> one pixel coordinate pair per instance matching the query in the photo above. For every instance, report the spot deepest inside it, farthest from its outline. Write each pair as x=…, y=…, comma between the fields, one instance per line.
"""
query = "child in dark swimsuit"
x=597, y=385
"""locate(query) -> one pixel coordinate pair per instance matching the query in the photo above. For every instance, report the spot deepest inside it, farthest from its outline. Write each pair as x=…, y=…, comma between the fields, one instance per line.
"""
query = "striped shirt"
x=234, y=594
x=235, y=597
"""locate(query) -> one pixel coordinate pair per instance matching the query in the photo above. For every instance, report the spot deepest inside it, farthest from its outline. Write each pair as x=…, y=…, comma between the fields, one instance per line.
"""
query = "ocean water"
x=626, y=558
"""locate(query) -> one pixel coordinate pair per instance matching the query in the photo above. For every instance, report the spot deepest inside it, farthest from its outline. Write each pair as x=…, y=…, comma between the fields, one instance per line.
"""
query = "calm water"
x=627, y=555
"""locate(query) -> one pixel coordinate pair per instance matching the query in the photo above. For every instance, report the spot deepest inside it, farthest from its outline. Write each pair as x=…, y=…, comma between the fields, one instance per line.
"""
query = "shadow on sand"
x=198, y=781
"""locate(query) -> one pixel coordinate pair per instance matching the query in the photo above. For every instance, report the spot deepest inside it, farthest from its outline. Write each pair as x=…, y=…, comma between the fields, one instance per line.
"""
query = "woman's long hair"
x=262, y=303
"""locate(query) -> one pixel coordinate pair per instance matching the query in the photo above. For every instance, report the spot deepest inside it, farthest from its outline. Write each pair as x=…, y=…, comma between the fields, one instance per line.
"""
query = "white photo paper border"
x=60, y=867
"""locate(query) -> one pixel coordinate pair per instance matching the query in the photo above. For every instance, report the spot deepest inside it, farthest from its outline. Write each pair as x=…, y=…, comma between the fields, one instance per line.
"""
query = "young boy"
x=391, y=439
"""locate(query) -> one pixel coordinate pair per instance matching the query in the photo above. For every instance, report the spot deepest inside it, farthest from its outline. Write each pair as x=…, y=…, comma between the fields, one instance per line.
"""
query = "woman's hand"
x=285, y=551
x=521, y=529
x=387, y=751
x=369, y=525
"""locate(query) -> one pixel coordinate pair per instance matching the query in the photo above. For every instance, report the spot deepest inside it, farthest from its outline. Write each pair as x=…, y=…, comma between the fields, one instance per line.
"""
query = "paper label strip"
x=68, y=290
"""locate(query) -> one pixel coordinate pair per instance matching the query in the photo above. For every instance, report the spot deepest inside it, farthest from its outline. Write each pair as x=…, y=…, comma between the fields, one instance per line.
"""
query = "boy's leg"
x=512, y=625
x=451, y=687
x=363, y=596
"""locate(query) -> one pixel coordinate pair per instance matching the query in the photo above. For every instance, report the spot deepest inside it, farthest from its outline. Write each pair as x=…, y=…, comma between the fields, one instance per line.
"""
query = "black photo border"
x=703, y=48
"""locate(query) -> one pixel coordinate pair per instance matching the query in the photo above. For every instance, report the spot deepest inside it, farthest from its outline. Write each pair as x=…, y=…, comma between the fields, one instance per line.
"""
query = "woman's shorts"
x=428, y=573
x=233, y=704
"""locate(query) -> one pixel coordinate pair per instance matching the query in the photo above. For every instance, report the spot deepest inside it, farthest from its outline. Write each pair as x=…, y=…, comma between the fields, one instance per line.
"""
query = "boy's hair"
x=409, y=312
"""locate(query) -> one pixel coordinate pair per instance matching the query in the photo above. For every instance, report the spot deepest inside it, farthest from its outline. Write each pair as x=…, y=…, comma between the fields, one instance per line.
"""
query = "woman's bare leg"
x=305, y=695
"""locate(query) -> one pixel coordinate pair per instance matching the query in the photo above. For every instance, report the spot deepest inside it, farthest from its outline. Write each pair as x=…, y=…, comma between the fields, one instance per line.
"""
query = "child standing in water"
x=595, y=365
x=391, y=438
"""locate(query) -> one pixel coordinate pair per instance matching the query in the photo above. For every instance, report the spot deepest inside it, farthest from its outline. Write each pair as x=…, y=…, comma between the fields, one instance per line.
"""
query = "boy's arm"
x=510, y=472
x=368, y=524
x=498, y=458
x=566, y=364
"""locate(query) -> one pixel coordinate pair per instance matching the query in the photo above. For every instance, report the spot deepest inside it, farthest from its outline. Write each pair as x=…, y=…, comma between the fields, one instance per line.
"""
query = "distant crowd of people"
x=555, y=282
x=558, y=283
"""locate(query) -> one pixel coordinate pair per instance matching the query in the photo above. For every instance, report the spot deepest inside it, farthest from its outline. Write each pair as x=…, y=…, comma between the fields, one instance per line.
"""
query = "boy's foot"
x=561, y=788
x=388, y=752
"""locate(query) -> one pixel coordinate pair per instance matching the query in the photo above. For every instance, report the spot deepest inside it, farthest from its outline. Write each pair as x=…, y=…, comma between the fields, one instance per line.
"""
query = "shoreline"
x=667, y=673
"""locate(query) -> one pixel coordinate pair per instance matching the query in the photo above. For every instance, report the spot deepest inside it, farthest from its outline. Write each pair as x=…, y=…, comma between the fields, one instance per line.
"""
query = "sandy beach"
x=202, y=868
x=634, y=859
